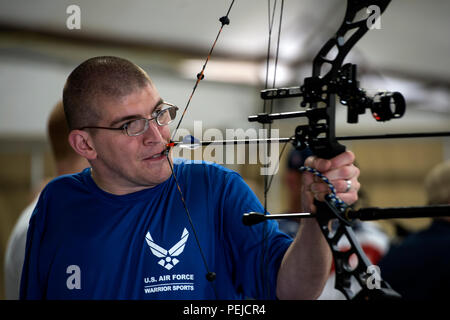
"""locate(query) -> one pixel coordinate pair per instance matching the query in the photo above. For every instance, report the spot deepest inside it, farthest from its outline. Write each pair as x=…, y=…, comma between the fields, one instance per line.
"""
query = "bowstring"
x=205, y=263
x=267, y=183
x=210, y=275
x=273, y=86
x=225, y=21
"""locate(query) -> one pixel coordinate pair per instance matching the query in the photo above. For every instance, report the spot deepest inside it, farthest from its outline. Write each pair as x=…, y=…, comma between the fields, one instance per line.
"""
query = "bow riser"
x=319, y=92
x=321, y=89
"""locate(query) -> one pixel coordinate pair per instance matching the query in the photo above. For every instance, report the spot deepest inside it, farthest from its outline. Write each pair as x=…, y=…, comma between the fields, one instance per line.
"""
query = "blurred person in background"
x=418, y=267
x=66, y=161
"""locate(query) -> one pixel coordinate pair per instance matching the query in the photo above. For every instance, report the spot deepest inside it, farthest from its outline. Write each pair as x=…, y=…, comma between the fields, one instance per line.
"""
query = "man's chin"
x=156, y=170
x=158, y=176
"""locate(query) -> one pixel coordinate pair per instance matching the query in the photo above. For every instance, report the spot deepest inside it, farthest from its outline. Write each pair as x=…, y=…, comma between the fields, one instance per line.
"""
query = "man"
x=121, y=229
x=66, y=161
x=417, y=267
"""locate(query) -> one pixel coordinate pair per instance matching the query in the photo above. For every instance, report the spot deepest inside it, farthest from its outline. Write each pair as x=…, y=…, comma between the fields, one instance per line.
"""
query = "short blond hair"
x=437, y=184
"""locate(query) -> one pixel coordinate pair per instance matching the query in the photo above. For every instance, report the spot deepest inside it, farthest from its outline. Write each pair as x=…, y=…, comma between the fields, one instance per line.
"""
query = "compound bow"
x=319, y=96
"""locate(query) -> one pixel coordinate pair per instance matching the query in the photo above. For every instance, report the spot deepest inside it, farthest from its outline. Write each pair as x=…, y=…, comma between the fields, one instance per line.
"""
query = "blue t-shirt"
x=84, y=243
x=418, y=267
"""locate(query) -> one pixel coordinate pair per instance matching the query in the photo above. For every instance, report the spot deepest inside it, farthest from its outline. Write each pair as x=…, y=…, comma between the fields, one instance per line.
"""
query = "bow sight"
x=384, y=106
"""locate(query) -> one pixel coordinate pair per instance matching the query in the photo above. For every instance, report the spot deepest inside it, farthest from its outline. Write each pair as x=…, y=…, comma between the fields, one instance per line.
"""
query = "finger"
x=342, y=185
x=307, y=180
x=320, y=196
x=348, y=197
x=318, y=163
x=344, y=159
x=319, y=187
x=347, y=172
x=307, y=197
x=320, y=190
x=308, y=203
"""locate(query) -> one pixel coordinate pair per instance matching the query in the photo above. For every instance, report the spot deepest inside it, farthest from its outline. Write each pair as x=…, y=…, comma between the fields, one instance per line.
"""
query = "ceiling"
x=413, y=38
x=409, y=53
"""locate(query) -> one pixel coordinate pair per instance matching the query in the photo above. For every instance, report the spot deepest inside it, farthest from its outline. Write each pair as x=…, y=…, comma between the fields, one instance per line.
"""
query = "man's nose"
x=153, y=133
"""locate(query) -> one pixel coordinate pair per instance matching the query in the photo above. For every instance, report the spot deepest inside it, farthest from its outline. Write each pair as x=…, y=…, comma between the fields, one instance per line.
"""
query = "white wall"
x=28, y=92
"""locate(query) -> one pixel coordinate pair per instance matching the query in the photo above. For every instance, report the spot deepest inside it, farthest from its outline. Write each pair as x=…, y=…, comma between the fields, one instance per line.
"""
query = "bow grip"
x=327, y=150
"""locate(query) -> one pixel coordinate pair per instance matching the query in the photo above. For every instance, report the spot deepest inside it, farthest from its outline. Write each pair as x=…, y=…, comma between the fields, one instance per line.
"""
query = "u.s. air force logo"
x=167, y=256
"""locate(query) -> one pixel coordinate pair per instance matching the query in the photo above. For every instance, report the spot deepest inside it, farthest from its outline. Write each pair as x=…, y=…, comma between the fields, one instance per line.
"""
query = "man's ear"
x=82, y=144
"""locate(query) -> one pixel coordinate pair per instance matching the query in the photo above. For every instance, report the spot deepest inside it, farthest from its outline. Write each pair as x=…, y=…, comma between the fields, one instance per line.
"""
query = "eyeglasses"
x=139, y=126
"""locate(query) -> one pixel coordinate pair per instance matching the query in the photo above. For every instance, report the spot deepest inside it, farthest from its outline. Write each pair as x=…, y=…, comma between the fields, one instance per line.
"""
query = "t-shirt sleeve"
x=256, y=250
x=31, y=287
x=16, y=251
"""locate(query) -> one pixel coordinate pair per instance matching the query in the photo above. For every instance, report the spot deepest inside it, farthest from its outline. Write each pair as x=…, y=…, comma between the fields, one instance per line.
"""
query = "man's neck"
x=114, y=188
x=71, y=166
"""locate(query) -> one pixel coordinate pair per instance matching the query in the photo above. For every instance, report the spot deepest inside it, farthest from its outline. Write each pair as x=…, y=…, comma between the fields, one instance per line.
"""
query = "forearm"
x=306, y=264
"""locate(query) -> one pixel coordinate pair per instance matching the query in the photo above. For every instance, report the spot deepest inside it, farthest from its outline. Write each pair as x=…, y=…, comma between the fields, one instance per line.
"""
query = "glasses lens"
x=167, y=116
x=136, y=127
